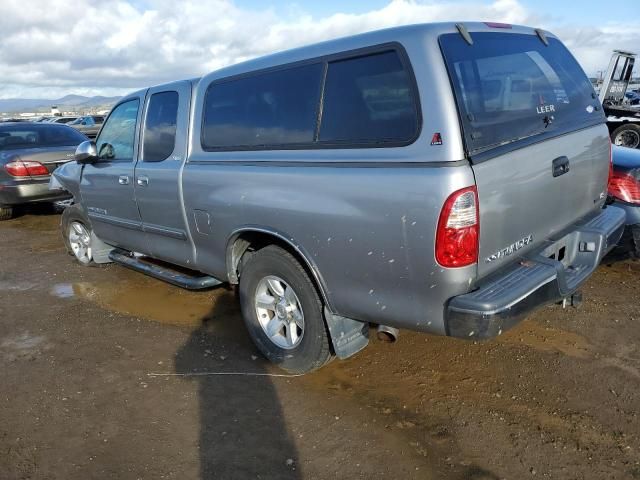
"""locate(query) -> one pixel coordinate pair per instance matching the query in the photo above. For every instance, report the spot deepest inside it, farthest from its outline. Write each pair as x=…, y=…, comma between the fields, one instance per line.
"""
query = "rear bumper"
x=546, y=276
x=17, y=193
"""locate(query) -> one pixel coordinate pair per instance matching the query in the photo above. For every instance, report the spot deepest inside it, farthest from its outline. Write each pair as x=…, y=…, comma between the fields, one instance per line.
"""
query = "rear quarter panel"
x=367, y=230
x=365, y=219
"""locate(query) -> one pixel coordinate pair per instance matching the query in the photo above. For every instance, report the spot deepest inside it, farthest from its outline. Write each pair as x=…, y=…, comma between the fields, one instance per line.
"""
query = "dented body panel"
x=368, y=231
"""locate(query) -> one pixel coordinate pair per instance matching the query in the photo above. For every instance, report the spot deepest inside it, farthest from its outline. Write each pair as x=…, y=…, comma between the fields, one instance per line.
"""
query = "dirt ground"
x=101, y=377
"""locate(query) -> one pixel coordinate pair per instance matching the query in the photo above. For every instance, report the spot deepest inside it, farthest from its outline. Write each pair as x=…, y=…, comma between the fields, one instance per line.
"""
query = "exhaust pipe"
x=387, y=334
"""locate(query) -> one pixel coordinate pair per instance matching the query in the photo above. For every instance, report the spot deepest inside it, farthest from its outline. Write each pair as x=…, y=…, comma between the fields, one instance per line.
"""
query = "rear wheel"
x=76, y=232
x=283, y=312
x=627, y=135
x=635, y=235
x=629, y=244
x=6, y=213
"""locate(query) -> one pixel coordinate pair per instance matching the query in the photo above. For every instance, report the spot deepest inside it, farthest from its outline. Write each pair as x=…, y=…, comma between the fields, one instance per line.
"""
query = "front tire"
x=6, y=213
x=76, y=233
x=627, y=135
x=283, y=311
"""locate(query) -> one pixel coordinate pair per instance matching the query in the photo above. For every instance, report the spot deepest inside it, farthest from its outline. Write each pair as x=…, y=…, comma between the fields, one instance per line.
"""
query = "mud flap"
x=348, y=336
x=100, y=250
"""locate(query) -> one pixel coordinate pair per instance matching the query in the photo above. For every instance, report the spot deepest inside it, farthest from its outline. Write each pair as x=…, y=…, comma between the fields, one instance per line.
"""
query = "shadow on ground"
x=242, y=429
x=38, y=209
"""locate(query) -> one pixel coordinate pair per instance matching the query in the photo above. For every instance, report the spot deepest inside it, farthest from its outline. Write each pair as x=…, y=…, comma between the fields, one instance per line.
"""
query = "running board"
x=177, y=277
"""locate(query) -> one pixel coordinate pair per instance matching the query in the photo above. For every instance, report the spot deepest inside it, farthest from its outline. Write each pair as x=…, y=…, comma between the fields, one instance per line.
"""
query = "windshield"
x=509, y=87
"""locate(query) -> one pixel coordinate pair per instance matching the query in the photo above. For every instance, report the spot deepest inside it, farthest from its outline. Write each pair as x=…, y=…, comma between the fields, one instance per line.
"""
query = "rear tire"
x=76, y=233
x=283, y=311
x=629, y=244
x=635, y=237
x=627, y=135
x=6, y=213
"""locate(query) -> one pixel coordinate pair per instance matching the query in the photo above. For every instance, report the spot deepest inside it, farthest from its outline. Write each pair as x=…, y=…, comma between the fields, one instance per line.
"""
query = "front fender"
x=67, y=177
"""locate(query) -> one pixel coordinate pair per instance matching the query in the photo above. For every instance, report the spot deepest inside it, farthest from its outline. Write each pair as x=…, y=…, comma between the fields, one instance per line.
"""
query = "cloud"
x=90, y=46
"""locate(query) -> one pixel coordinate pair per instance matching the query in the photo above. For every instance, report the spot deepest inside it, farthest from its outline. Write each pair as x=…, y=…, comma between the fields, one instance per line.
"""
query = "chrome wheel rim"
x=628, y=138
x=279, y=312
x=80, y=242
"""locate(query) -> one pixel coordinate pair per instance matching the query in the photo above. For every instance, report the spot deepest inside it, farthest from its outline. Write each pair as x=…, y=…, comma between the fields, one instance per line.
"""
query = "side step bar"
x=177, y=277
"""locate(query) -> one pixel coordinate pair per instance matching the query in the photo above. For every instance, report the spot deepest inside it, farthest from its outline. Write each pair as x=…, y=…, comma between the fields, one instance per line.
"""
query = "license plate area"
x=575, y=256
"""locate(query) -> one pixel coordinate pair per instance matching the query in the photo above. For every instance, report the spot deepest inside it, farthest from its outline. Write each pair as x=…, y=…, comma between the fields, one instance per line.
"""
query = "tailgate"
x=522, y=204
x=535, y=134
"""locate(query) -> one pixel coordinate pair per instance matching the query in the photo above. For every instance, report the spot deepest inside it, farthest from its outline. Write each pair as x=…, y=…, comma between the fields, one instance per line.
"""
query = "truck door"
x=107, y=186
x=157, y=172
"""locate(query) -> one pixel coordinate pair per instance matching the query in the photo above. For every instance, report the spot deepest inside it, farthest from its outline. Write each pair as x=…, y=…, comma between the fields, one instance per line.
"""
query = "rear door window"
x=510, y=87
x=160, y=126
x=368, y=100
x=59, y=136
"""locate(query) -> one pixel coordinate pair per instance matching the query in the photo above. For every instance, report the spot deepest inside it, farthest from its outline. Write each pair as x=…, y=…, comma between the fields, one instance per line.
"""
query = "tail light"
x=25, y=168
x=497, y=25
x=610, y=162
x=624, y=186
x=458, y=229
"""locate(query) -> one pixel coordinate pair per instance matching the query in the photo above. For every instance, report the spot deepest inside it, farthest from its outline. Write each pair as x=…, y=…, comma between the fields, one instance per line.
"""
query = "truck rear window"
x=510, y=87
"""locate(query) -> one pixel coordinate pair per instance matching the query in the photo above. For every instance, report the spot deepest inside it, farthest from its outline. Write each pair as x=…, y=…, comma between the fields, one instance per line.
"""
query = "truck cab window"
x=160, y=127
x=117, y=137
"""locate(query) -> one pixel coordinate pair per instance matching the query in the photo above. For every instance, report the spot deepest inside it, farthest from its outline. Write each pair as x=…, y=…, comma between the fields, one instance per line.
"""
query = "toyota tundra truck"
x=446, y=178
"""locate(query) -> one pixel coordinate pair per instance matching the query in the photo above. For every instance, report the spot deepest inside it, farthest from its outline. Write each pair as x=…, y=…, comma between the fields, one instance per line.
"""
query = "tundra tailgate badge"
x=511, y=249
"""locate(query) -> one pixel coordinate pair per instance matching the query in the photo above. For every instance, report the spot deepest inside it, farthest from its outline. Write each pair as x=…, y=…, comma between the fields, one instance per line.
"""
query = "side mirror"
x=86, y=152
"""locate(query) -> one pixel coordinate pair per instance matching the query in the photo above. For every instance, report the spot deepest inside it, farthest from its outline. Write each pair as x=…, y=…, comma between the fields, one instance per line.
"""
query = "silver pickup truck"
x=445, y=178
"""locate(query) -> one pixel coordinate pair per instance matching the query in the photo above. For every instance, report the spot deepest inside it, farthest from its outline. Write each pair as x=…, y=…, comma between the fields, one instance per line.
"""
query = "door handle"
x=142, y=181
x=560, y=166
x=123, y=180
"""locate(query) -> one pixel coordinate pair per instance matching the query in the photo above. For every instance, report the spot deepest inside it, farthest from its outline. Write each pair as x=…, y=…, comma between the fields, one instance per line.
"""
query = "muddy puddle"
x=16, y=286
x=152, y=300
x=548, y=339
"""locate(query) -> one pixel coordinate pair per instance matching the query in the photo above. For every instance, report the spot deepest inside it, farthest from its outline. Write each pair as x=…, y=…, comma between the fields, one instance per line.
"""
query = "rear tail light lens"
x=610, y=162
x=458, y=229
x=624, y=186
x=26, y=168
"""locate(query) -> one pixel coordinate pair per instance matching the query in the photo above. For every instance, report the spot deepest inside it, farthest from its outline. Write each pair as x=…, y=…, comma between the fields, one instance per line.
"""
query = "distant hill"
x=17, y=105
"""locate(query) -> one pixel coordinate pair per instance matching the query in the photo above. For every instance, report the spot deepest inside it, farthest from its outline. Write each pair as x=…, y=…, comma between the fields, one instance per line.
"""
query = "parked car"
x=624, y=192
x=445, y=178
x=632, y=97
x=29, y=152
x=89, y=125
x=63, y=120
x=15, y=120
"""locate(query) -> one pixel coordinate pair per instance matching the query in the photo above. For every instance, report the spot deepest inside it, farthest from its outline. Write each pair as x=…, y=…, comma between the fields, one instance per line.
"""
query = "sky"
x=51, y=48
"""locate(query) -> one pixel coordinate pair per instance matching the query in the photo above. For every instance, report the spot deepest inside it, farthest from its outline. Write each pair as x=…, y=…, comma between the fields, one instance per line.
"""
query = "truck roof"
x=406, y=35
